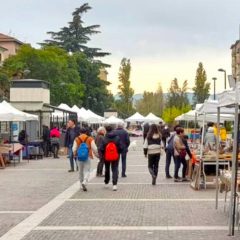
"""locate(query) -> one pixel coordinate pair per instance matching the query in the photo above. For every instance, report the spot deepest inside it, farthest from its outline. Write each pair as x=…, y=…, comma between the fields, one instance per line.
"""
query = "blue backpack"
x=83, y=151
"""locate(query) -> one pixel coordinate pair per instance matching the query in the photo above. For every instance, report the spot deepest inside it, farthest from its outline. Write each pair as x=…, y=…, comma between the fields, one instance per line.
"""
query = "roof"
x=2, y=48
x=5, y=38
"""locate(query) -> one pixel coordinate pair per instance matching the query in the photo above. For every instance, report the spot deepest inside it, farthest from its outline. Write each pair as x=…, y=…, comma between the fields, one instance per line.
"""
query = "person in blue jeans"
x=72, y=132
x=125, y=142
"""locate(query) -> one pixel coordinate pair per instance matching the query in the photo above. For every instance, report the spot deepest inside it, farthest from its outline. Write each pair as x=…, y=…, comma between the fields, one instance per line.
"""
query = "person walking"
x=55, y=141
x=152, y=150
x=111, y=149
x=125, y=142
x=72, y=132
x=169, y=149
x=84, y=148
x=179, y=155
x=46, y=140
x=99, y=139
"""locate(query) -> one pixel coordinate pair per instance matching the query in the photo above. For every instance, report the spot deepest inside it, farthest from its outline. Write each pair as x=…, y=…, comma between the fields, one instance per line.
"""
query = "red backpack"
x=111, y=152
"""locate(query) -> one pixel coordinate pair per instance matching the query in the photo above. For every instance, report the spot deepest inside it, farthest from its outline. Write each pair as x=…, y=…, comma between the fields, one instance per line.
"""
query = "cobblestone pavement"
x=49, y=205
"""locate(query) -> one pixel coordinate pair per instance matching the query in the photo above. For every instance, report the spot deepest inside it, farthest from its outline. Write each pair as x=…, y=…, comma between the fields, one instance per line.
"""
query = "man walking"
x=125, y=142
x=110, y=150
x=72, y=132
x=83, y=148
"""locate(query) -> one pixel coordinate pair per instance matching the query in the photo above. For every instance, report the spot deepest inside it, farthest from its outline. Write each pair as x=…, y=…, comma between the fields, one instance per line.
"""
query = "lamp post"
x=214, y=88
x=225, y=77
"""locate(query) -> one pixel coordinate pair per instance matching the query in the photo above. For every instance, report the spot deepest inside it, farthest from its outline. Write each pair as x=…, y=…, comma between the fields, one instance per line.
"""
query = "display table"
x=213, y=162
x=12, y=149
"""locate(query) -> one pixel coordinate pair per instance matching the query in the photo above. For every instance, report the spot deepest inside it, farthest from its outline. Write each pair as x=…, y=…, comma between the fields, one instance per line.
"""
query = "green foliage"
x=170, y=113
x=73, y=79
x=177, y=96
x=4, y=86
x=151, y=102
x=75, y=36
x=96, y=96
x=201, y=89
x=125, y=104
x=52, y=65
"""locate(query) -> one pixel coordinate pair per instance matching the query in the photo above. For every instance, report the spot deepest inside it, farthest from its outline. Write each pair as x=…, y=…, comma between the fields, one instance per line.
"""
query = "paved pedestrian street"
x=40, y=200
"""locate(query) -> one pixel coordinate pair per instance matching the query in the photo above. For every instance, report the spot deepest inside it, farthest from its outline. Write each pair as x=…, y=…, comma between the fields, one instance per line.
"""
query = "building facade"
x=8, y=46
x=236, y=60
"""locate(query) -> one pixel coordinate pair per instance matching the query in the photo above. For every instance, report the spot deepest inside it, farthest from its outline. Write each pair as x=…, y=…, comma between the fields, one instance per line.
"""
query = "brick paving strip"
x=27, y=225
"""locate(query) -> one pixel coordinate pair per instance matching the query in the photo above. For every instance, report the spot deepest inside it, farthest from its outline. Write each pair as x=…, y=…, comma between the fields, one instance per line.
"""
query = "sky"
x=164, y=39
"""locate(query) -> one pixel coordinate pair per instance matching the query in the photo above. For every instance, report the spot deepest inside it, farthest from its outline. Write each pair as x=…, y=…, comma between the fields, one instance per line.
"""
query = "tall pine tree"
x=201, y=88
x=75, y=36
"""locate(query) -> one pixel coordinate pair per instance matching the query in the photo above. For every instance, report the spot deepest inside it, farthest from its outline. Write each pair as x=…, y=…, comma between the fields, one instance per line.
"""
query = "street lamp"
x=214, y=88
x=225, y=77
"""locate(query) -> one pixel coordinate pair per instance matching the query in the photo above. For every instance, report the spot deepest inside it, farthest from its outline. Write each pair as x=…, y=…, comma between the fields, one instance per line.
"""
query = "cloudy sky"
x=163, y=38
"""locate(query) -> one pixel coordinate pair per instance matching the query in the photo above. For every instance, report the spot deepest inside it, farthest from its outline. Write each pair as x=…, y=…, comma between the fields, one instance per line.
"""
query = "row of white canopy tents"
x=92, y=118
x=137, y=117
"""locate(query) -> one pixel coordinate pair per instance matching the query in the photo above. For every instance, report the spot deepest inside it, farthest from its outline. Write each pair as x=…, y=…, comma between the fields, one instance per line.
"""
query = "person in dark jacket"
x=169, y=153
x=72, y=132
x=46, y=140
x=99, y=139
x=111, y=137
x=165, y=134
x=125, y=142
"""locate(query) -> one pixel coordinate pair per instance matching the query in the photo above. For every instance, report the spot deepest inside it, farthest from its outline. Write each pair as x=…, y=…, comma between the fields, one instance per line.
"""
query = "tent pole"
x=202, y=139
x=234, y=160
x=217, y=163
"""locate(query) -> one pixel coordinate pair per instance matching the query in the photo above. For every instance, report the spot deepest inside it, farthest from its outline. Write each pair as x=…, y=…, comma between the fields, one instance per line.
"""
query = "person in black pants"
x=111, y=137
x=125, y=142
x=152, y=150
x=179, y=155
x=169, y=152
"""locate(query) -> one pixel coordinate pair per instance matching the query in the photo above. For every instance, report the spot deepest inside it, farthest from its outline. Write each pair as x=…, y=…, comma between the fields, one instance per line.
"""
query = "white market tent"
x=59, y=114
x=9, y=113
x=152, y=118
x=113, y=120
x=231, y=99
x=137, y=117
x=94, y=118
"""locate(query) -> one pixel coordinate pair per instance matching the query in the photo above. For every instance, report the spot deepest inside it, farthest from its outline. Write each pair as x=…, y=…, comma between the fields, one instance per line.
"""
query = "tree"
x=171, y=113
x=177, y=96
x=201, y=89
x=4, y=86
x=53, y=65
x=75, y=36
x=73, y=79
x=96, y=96
x=125, y=104
x=151, y=102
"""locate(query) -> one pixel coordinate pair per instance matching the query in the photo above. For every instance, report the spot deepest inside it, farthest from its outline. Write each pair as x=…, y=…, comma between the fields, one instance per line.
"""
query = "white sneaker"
x=106, y=185
x=114, y=187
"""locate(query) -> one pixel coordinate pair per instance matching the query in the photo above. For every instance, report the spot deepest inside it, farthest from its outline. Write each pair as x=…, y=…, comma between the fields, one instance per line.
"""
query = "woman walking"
x=152, y=150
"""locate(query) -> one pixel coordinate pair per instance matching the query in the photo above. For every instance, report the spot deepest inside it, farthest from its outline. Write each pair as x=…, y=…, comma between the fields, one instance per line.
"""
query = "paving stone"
x=132, y=213
x=7, y=221
x=129, y=235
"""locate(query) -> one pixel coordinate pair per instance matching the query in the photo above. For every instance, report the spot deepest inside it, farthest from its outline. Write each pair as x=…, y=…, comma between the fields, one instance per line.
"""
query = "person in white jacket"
x=152, y=150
